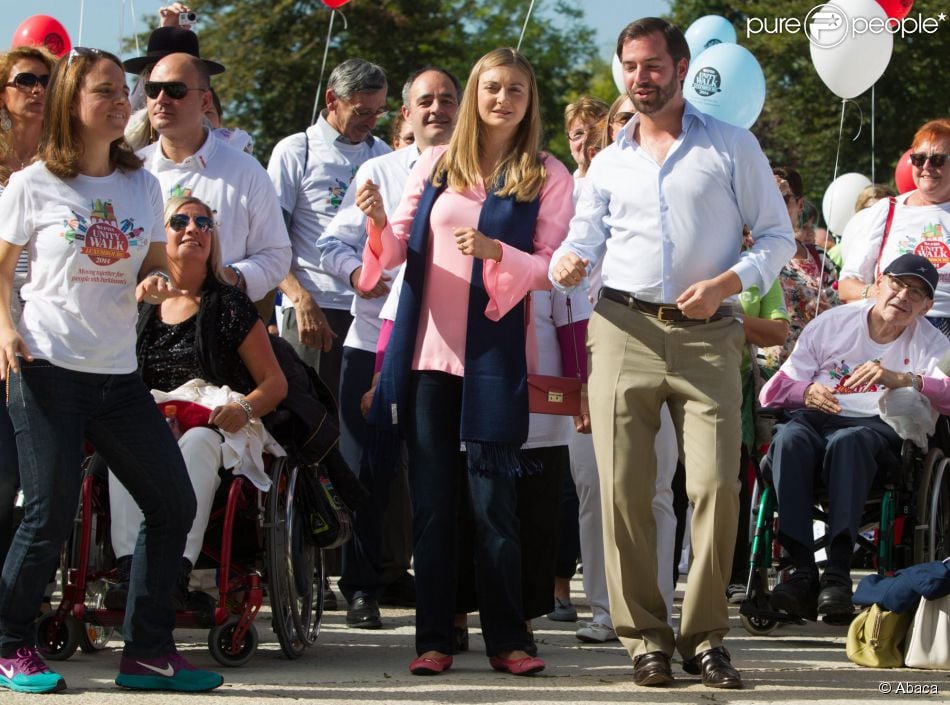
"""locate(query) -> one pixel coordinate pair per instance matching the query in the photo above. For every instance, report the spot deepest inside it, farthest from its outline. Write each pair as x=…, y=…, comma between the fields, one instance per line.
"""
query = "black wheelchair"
x=907, y=519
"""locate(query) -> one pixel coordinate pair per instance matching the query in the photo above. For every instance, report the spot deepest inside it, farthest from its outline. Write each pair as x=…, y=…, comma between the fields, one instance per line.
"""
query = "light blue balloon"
x=726, y=81
x=707, y=32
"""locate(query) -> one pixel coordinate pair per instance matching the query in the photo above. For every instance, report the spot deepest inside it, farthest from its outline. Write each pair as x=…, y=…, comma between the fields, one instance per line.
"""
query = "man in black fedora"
x=170, y=40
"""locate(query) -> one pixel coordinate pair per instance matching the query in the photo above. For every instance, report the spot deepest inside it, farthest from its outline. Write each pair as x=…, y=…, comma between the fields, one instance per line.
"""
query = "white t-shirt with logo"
x=837, y=341
x=920, y=230
x=88, y=237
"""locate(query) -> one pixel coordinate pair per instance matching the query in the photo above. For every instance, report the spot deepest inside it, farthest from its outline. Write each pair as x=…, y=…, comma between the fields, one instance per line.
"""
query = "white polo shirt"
x=250, y=226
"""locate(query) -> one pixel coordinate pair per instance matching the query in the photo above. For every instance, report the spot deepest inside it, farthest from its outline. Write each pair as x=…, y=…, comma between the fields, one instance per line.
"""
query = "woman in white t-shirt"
x=917, y=222
x=93, y=221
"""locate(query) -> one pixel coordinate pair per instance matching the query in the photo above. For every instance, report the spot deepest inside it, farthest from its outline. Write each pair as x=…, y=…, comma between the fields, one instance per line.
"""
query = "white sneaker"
x=595, y=633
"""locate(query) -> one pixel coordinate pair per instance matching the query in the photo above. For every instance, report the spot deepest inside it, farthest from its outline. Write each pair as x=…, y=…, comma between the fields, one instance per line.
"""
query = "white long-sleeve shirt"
x=661, y=228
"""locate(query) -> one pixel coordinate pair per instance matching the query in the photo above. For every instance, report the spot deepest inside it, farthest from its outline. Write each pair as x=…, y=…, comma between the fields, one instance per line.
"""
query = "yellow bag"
x=876, y=638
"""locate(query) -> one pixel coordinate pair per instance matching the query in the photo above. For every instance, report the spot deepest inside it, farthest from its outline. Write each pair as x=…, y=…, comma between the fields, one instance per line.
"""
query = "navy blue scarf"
x=494, y=387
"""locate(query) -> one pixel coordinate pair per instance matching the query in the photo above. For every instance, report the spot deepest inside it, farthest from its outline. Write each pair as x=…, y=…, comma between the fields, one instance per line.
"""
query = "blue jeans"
x=54, y=411
x=436, y=480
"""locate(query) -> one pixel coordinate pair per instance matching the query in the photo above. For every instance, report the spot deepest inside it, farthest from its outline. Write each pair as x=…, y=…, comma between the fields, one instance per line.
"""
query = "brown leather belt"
x=666, y=313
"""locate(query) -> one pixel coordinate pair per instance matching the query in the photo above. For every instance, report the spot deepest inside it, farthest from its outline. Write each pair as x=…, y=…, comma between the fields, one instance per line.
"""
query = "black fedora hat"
x=170, y=40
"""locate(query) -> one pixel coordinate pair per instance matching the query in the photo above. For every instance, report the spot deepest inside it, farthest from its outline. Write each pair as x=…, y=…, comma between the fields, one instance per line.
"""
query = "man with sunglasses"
x=312, y=172
x=190, y=160
x=845, y=361
x=918, y=221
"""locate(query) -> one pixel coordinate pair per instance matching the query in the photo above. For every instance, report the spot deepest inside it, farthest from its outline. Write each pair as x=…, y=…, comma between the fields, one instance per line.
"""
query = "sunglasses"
x=176, y=90
x=936, y=160
x=623, y=118
x=82, y=51
x=180, y=221
x=28, y=81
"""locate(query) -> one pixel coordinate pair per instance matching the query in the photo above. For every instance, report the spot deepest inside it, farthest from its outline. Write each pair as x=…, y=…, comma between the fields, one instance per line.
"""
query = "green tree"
x=273, y=50
x=799, y=124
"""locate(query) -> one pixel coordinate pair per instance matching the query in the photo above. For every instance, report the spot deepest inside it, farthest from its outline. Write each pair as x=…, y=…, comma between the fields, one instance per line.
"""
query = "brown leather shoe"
x=652, y=669
x=715, y=665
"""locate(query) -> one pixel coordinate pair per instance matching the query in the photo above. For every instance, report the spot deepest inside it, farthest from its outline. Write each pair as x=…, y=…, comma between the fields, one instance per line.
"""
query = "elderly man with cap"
x=844, y=362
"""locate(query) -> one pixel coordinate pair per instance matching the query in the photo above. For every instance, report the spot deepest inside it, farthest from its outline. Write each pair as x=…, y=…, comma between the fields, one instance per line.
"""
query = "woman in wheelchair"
x=211, y=331
x=832, y=383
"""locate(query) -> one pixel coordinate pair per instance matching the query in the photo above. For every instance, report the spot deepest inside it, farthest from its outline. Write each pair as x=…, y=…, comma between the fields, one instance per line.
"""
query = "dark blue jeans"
x=9, y=477
x=54, y=411
x=436, y=479
x=362, y=556
x=815, y=449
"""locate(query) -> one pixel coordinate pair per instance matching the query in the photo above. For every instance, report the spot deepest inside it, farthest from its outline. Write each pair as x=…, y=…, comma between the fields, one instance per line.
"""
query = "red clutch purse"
x=560, y=396
x=554, y=395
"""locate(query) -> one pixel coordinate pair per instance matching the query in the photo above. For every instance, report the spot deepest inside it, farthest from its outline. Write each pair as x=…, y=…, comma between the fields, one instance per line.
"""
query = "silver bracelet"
x=244, y=404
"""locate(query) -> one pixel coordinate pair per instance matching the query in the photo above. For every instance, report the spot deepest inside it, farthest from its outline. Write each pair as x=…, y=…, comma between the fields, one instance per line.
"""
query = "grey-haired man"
x=312, y=171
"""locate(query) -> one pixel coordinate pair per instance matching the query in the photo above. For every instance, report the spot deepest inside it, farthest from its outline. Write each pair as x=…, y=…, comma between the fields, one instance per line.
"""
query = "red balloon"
x=897, y=9
x=42, y=30
x=334, y=4
x=904, y=174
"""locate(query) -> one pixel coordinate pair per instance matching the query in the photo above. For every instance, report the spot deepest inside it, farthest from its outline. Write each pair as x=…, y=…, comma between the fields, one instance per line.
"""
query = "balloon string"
x=323, y=67
x=524, y=28
x=82, y=12
x=873, y=160
x=135, y=34
x=831, y=205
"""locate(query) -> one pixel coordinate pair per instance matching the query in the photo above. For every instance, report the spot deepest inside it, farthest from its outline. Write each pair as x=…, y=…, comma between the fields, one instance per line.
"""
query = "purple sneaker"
x=26, y=673
x=169, y=672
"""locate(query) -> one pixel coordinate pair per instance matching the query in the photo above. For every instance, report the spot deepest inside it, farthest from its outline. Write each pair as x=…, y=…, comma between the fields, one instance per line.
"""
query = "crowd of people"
x=428, y=282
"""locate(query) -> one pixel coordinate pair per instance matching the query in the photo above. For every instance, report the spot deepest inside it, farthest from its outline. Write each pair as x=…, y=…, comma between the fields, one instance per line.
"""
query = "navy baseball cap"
x=910, y=265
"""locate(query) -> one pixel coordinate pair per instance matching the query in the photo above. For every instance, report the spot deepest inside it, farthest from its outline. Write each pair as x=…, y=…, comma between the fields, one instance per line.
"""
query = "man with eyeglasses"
x=190, y=160
x=845, y=361
x=312, y=172
x=376, y=561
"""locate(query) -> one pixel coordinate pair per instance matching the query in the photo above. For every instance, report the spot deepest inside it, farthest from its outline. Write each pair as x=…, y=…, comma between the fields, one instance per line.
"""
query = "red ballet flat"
x=429, y=666
x=529, y=665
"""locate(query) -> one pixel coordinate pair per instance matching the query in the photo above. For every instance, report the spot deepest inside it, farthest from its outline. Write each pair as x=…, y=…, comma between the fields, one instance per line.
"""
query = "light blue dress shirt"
x=660, y=229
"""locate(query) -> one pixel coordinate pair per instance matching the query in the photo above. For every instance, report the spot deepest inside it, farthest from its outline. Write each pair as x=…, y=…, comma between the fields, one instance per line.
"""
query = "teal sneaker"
x=26, y=673
x=169, y=672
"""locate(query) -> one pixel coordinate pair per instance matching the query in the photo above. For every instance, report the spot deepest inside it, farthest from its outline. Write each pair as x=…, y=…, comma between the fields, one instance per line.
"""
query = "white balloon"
x=849, y=61
x=616, y=69
x=837, y=205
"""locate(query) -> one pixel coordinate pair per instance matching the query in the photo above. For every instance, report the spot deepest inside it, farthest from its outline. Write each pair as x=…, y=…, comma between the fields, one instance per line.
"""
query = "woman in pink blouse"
x=478, y=222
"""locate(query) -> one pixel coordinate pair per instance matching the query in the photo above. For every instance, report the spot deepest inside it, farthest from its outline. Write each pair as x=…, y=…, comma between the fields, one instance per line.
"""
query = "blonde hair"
x=870, y=194
x=7, y=61
x=520, y=172
x=61, y=147
x=175, y=204
x=587, y=109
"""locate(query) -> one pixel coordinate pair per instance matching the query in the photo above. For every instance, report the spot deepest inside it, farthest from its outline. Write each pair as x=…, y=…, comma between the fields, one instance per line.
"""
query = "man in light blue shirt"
x=663, y=207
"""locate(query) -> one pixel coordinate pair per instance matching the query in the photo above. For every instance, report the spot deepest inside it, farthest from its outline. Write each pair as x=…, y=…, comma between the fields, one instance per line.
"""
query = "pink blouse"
x=440, y=342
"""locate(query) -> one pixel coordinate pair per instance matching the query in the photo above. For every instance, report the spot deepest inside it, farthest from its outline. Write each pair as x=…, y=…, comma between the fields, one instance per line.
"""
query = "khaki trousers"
x=637, y=363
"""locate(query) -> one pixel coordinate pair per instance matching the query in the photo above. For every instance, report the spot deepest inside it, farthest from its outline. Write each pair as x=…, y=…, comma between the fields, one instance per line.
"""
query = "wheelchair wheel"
x=757, y=626
x=932, y=526
x=295, y=571
x=57, y=642
x=225, y=651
